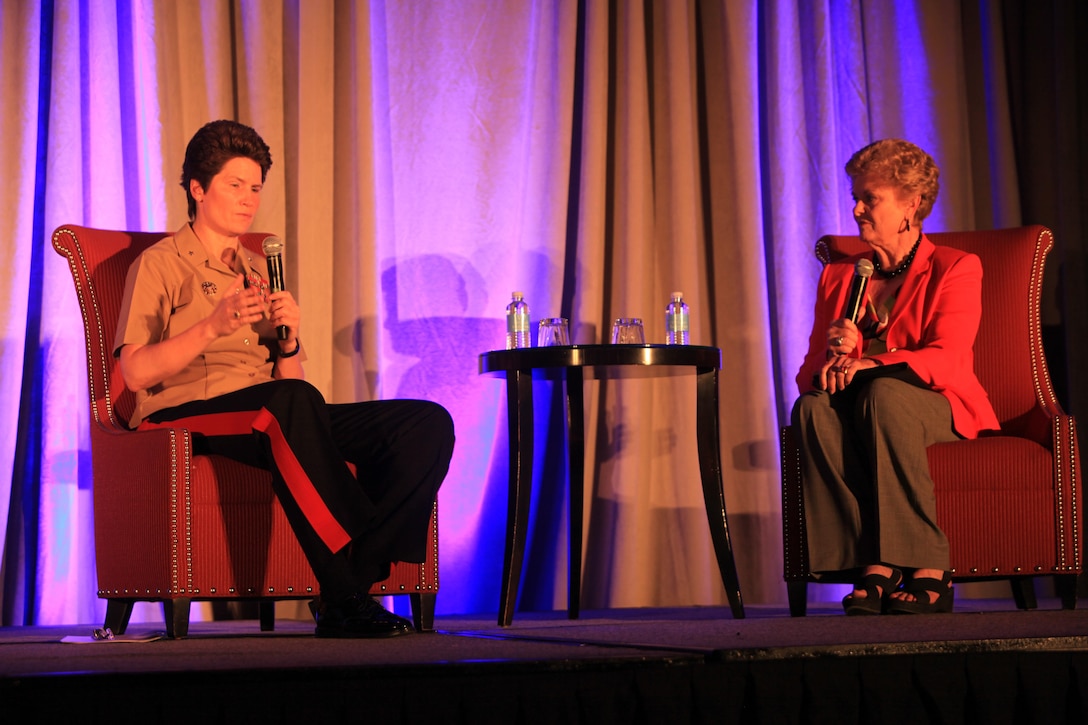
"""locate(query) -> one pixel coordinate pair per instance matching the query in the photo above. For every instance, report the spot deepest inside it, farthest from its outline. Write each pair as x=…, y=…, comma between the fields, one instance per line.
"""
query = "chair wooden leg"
x=1066, y=587
x=176, y=614
x=1023, y=592
x=118, y=612
x=423, y=611
x=797, y=592
x=266, y=611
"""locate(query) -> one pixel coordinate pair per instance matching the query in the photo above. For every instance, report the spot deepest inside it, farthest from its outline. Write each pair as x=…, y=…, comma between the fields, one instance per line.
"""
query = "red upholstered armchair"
x=171, y=525
x=1009, y=502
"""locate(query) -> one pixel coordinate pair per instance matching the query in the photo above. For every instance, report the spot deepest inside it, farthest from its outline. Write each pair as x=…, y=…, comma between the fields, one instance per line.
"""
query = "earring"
x=908, y=224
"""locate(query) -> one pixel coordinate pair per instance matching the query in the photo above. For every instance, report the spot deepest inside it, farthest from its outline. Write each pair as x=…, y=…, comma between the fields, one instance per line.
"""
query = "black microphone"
x=863, y=270
x=273, y=252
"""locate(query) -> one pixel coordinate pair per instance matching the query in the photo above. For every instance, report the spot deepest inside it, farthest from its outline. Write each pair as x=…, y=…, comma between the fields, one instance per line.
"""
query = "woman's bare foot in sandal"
x=884, y=571
x=928, y=591
x=868, y=597
x=904, y=596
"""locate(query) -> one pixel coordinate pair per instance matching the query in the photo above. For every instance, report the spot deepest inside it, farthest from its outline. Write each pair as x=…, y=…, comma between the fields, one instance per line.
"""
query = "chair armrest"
x=129, y=459
x=1069, y=490
x=141, y=482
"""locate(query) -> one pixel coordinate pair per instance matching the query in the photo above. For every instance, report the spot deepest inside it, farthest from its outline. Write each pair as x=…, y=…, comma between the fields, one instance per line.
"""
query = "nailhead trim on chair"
x=798, y=514
x=1065, y=436
x=187, y=441
x=1043, y=387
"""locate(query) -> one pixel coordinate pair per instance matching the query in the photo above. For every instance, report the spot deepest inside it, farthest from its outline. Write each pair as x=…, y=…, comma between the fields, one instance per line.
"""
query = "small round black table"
x=568, y=363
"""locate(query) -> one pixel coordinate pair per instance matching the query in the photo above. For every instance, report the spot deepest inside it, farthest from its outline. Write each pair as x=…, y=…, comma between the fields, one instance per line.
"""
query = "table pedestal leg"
x=710, y=469
x=576, y=453
x=519, y=407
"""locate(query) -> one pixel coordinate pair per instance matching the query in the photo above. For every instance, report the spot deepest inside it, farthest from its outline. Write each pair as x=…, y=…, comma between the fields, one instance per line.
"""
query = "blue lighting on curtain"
x=917, y=84
x=131, y=140
x=21, y=545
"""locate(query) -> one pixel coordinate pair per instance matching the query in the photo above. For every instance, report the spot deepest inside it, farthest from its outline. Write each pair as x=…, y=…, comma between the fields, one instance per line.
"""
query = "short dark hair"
x=213, y=146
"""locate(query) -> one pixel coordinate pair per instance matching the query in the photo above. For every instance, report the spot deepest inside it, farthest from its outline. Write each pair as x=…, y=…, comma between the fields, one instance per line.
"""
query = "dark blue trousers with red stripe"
x=350, y=526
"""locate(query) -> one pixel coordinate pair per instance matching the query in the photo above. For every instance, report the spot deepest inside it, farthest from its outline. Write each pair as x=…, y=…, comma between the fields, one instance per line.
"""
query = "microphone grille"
x=864, y=268
x=274, y=245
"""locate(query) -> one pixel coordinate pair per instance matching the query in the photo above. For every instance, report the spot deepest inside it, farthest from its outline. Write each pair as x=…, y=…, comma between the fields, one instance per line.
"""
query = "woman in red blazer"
x=878, y=389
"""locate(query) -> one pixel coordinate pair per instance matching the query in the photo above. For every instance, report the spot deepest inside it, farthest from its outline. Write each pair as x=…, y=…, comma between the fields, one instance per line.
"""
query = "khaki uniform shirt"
x=172, y=286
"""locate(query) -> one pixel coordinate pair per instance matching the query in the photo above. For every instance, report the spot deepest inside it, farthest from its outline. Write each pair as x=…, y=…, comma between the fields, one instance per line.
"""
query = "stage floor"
x=687, y=664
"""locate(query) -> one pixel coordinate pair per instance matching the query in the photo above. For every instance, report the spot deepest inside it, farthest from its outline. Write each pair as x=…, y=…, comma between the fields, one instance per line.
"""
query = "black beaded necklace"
x=899, y=268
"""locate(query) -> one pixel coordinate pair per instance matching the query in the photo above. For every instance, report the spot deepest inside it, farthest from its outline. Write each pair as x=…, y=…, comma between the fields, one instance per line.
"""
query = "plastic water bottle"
x=676, y=321
x=517, y=322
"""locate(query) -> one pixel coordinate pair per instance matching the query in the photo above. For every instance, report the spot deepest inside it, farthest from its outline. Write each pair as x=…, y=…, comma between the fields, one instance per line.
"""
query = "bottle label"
x=678, y=321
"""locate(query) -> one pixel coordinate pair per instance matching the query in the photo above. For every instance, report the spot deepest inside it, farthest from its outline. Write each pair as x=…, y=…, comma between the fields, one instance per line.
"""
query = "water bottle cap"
x=677, y=295
x=518, y=295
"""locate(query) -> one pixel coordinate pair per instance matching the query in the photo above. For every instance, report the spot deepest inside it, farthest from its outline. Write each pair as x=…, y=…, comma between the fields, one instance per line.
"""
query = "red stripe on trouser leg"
x=302, y=489
x=298, y=482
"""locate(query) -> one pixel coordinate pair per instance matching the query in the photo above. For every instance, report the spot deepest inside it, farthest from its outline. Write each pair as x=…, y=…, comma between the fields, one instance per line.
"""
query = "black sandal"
x=877, y=587
x=920, y=588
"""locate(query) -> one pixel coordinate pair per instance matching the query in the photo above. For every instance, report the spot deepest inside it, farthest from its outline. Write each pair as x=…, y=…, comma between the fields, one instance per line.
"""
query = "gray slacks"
x=868, y=494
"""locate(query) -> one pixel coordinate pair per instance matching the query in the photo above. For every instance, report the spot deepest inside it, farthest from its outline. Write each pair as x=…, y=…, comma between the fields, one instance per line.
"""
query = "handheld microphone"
x=863, y=270
x=273, y=252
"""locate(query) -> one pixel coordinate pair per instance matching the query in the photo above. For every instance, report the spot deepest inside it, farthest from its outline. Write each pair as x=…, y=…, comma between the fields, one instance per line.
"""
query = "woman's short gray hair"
x=901, y=165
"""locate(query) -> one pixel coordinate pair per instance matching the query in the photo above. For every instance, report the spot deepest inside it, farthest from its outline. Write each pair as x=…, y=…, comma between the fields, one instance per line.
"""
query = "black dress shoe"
x=358, y=616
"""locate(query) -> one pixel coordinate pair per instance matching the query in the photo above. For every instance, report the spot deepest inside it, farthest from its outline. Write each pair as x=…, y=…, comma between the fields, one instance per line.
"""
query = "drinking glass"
x=552, y=332
x=628, y=331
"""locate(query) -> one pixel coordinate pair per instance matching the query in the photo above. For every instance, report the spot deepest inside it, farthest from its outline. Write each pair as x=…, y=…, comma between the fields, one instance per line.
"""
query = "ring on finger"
x=837, y=341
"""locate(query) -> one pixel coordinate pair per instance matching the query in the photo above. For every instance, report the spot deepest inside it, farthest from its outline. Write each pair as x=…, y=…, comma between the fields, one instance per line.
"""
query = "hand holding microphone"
x=273, y=252
x=839, y=360
x=855, y=303
x=863, y=270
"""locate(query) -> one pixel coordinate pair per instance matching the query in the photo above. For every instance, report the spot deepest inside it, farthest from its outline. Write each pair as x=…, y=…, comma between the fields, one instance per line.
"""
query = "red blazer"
x=931, y=328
